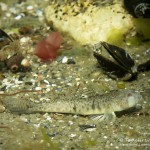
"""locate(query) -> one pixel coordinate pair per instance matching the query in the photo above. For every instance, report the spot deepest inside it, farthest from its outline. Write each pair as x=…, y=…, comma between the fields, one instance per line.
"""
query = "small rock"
x=71, y=61
x=2, y=108
x=72, y=135
x=68, y=60
x=64, y=60
x=121, y=85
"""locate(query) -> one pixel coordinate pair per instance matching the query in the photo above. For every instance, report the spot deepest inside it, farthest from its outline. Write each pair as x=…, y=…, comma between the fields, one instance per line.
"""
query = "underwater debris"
x=5, y=39
x=138, y=8
x=7, y=44
x=47, y=49
x=10, y=55
x=116, y=62
x=2, y=108
x=4, y=35
x=25, y=30
x=144, y=67
x=87, y=127
x=18, y=63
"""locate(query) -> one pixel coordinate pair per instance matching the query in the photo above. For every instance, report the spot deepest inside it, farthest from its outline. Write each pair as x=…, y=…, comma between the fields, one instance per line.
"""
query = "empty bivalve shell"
x=115, y=61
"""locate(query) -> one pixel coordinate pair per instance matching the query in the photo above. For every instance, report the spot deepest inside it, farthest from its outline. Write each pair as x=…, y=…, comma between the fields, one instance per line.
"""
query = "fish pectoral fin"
x=96, y=117
x=107, y=117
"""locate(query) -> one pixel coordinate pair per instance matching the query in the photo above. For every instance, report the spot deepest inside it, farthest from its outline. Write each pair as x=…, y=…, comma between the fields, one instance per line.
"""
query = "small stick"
x=5, y=127
x=23, y=91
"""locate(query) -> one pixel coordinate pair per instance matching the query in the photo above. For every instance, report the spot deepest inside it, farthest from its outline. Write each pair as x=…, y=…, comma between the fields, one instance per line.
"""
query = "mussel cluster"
x=117, y=63
x=10, y=57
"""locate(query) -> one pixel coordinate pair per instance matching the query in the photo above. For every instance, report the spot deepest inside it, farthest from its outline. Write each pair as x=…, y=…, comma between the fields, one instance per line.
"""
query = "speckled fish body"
x=108, y=103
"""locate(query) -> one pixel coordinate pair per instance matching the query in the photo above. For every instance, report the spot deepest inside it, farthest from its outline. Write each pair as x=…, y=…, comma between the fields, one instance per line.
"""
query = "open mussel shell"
x=5, y=39
x=138, y=8
x=144, y=67
x=4, y=35
x=115, y=61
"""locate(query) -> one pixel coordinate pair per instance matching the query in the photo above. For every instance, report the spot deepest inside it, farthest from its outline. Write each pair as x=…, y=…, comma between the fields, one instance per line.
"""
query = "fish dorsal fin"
x=88, y=93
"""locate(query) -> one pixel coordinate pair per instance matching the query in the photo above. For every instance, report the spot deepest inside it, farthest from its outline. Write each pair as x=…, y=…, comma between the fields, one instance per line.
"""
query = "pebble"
x=68, y=60
x=29, y=7
x=90, y=129
x=71, y=61
x=70, y=123
x=2, y=108
x=72, y=135
x=120, y=85
x=147, y=52
x=24, y=119
x=38, y=88
x=3, y=6
x=25, y=39
x=47, y=82
x=19, y=16
x=64, y=60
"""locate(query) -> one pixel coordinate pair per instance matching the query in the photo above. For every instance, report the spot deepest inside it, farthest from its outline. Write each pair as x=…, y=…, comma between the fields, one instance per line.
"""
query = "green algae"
x=47, y=140
x=115, y=36
x=142, y=26
x=133, y=41
x=88, y=142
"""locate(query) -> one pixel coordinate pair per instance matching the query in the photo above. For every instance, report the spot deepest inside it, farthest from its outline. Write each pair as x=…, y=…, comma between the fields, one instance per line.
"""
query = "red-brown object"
x=47, y=49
